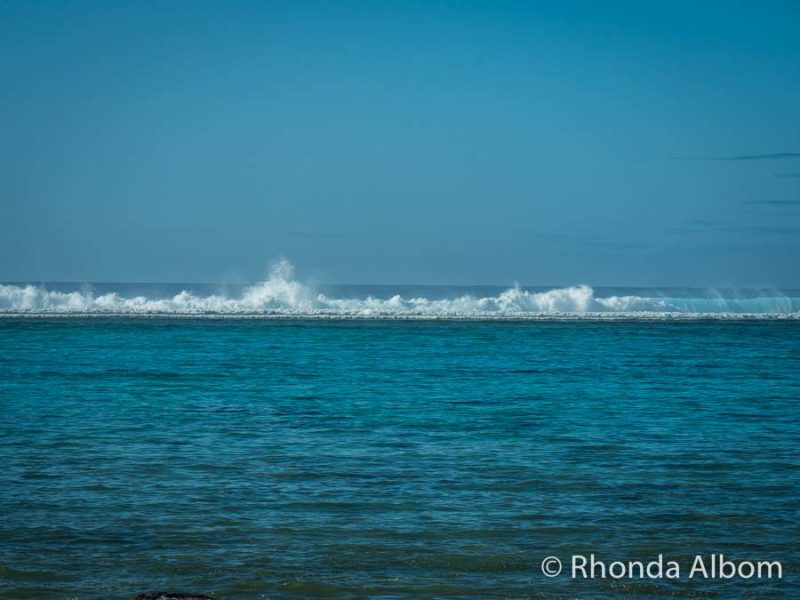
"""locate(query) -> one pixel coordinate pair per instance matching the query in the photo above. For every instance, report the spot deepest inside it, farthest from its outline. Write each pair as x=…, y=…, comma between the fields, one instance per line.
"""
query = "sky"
x=548, y=143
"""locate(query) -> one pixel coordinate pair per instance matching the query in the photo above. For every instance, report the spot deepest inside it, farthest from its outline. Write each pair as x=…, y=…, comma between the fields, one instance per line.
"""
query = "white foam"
x=281, y=296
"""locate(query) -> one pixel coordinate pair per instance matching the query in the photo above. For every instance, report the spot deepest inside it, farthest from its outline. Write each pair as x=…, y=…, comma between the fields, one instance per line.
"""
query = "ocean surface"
x=400, y=444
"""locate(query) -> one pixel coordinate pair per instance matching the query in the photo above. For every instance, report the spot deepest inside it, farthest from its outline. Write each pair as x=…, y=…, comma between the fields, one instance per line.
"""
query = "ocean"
x=395, y=442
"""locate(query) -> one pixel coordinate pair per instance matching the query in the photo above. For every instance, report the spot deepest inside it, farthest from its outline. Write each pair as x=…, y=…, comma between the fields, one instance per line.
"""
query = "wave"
x=282, y=296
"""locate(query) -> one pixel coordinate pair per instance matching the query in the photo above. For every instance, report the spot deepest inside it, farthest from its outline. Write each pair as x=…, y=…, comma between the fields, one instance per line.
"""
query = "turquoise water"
x=393, y=459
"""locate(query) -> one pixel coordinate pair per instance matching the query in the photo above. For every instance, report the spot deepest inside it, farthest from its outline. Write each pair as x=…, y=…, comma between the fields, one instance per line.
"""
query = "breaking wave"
x=282, y=296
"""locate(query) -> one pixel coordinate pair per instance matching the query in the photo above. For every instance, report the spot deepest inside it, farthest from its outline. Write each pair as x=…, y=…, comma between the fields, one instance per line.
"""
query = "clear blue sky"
x=401, y=142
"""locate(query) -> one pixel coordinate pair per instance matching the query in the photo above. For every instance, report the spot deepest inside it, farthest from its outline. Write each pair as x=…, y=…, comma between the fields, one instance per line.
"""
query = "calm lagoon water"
x=392, y=459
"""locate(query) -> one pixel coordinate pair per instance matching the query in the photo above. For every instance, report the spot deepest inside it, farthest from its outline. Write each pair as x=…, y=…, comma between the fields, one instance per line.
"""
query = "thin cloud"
x=771, y=156
x=697, y=226
x=321, y=235
x=773, y=230
x=593, y=241
x=705, y=227
x=614, y=245
x=773, y=202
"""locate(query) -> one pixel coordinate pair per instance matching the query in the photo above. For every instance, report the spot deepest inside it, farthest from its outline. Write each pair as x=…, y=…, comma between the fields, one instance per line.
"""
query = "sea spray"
x=282, y=295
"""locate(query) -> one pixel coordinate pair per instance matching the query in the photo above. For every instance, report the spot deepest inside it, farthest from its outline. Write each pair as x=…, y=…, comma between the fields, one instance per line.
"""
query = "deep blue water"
x=293, y=458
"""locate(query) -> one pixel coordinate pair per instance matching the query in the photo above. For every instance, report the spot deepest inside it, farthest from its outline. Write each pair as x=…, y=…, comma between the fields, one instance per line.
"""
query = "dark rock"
x=171, y=596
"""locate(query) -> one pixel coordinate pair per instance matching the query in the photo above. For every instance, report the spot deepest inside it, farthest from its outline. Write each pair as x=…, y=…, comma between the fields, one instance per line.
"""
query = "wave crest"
x=281, y=295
